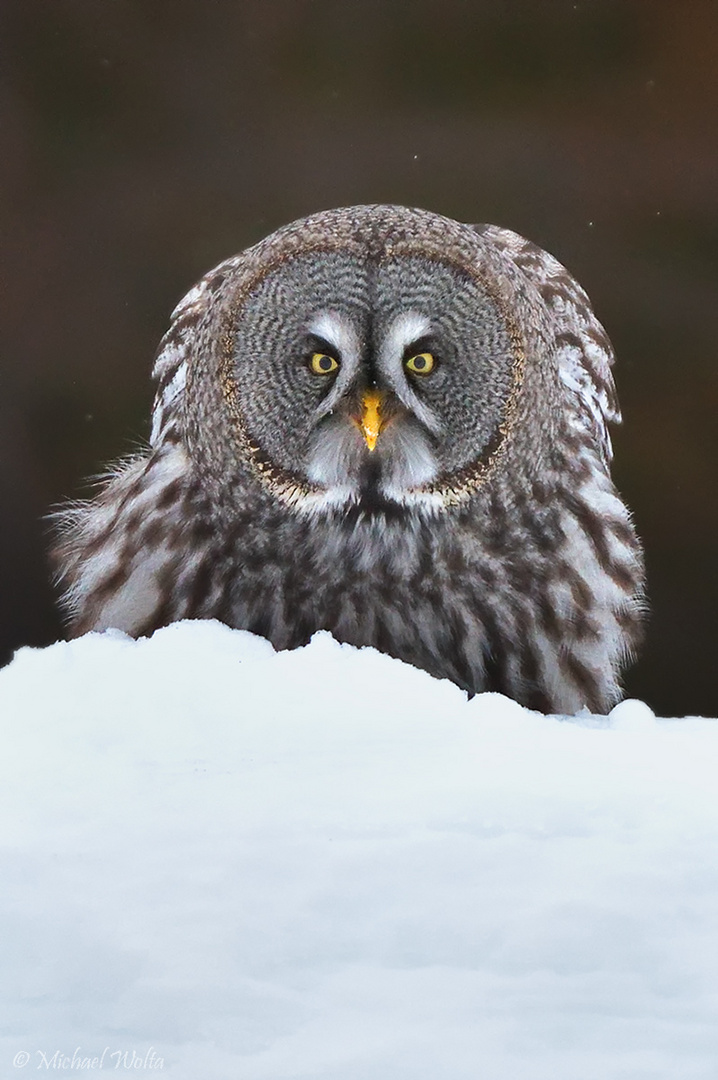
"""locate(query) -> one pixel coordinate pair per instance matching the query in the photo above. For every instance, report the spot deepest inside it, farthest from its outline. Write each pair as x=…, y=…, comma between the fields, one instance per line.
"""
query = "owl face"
x=372, y=380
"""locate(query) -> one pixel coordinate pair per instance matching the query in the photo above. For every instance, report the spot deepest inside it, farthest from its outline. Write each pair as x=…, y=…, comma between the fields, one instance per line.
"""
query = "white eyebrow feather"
x=337, y=331
x=404, y=330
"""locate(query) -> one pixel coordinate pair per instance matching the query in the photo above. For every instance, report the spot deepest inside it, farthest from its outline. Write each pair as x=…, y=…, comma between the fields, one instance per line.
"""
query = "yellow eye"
x=421, y=364
x=323, y=364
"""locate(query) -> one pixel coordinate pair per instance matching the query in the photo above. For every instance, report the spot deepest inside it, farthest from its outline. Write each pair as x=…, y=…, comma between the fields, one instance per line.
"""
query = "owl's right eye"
x=323, y=364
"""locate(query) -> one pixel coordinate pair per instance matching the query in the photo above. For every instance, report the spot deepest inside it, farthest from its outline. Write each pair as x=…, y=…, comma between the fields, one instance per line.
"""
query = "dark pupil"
x=419, y=361
x=325, y=363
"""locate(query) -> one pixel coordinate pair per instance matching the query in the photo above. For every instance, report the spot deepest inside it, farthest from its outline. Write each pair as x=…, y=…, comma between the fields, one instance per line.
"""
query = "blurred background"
x=145, y=140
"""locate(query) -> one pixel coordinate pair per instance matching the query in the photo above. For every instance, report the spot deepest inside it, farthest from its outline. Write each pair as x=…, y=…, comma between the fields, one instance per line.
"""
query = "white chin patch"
x=339, y=454
x=408, y=462
x=336, y=456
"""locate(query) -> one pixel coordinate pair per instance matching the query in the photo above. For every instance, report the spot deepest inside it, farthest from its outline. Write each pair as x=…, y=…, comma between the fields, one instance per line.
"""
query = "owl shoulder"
x=582, y=349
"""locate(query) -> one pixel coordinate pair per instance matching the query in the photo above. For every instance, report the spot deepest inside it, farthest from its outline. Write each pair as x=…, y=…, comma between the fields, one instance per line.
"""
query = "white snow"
x=236, y=864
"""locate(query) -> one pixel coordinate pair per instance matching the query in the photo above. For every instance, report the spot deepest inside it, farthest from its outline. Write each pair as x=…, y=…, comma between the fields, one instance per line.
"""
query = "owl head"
x=374, y=357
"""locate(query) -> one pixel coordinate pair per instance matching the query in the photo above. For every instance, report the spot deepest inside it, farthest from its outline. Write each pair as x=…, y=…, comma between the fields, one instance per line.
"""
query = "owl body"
x=392, y=426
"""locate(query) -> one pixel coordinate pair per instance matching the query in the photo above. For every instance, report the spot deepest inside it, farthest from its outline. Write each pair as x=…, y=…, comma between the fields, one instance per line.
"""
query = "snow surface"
x=326, y=864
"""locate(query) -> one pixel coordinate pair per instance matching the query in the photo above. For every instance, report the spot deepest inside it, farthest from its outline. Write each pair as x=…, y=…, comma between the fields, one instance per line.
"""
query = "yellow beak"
x=371, y=422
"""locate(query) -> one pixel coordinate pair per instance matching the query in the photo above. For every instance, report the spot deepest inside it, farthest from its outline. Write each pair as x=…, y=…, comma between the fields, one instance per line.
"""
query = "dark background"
x=142, y=141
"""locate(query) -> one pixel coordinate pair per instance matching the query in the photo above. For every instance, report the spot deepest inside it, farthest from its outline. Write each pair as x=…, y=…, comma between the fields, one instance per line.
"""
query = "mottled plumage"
x=392, y=426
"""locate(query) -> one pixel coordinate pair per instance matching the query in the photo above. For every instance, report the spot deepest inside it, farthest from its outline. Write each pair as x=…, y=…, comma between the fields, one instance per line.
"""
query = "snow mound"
x=224, y=862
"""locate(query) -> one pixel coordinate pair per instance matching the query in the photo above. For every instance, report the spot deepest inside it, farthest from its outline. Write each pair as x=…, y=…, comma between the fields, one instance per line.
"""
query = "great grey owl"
x=386, y=424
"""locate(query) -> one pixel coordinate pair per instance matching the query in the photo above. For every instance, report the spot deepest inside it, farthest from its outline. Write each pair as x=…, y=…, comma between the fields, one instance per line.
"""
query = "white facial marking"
x=338, y=332
x=335, y=458
x=336, y=455
x=406, y=329
x=410, y=460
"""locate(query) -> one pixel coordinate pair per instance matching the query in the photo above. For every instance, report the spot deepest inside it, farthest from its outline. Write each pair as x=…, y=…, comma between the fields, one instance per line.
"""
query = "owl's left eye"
x=323, y=364
x=421, y=364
